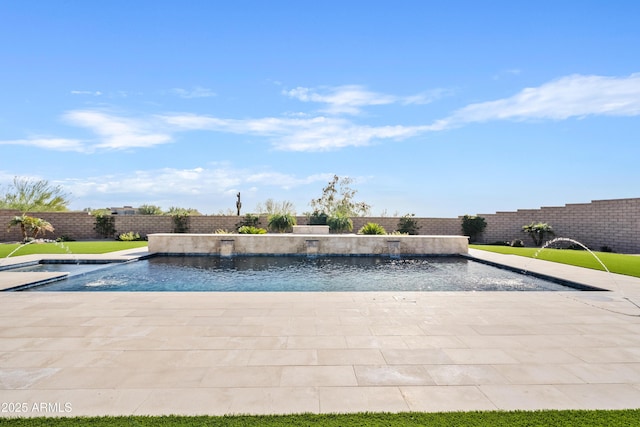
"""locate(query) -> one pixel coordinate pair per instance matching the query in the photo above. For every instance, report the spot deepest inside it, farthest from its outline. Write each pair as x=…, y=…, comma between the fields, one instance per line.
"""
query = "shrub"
x=317, y=218
x=281, y=222
x=472, y=226
x=180, y=222
x=408, y=225
x=105, y=224
x=221, y=231
x=339, y=223
x=65, y=238
x=606, y=249
x=249, y=220
x=248, y=229
x=130, y=237
x=372, y=228
x=517, y=243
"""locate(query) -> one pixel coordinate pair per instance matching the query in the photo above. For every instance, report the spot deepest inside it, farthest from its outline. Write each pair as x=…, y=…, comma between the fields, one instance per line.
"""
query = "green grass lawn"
x=97, y=247
x=615, y=263
x=490, y=419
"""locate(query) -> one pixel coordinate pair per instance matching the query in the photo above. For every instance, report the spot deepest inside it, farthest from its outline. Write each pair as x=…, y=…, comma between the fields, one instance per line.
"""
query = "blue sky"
x=433, y=108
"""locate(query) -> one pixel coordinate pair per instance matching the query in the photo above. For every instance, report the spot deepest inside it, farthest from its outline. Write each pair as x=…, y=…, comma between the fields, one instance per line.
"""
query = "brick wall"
x=613, y=223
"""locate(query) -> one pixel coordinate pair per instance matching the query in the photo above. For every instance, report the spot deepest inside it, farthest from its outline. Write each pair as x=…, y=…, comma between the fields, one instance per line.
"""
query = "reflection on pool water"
x=293, y=274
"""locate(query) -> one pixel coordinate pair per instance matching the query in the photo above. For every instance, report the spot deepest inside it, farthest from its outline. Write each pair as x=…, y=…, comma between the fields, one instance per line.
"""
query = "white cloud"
x=175, y=186
x=291, y=134
x=570, y=96
x=59, y=144
x=196, y=92
x=350, y=99
x=118, y=132
x=86, y=92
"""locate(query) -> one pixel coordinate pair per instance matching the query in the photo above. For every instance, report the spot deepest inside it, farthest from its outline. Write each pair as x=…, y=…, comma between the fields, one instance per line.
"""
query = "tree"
x=174, y=210
x=18, y=221
x=338, y=199
x=30, y=227
x=39, y=225
x=538, y=231
x=271, y=207
x=472, y=226
x=150, y=210
x=27, y=195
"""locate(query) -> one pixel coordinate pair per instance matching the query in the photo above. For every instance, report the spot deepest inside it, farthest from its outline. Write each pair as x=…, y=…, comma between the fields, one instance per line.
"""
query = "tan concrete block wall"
x=613, y=223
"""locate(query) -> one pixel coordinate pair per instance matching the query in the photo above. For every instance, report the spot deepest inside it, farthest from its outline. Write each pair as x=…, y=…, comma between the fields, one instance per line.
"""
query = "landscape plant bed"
x=90, y=247
x=615, y=263
x=580, y=418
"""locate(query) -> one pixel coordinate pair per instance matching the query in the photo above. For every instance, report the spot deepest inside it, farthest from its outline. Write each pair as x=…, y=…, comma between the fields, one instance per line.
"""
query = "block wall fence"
x=612, y=223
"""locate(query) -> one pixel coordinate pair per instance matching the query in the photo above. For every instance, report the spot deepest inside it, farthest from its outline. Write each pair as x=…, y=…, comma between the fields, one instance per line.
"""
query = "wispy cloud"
x=196, y=92
x=350, y=99
x=567, y=97
x=507, y=72
x=58, y=144
x=86, y=92
x=299, y=134
x=217, y=182
x=118, y=133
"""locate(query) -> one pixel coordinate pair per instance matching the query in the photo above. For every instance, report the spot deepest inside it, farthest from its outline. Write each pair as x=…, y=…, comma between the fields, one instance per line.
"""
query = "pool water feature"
x=302, y=274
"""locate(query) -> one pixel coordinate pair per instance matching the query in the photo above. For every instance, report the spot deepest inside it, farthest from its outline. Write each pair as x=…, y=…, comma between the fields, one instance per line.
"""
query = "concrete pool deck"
x=102, y=353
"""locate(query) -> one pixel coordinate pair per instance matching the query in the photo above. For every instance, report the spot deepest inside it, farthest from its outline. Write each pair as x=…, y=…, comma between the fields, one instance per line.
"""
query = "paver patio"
x=108, y=353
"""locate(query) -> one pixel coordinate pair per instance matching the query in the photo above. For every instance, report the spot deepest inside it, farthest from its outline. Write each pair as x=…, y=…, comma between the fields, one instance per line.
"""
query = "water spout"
x=20, y=247
x=575, y=242
x=312, y=247
x=226, y=248
x=394, y=248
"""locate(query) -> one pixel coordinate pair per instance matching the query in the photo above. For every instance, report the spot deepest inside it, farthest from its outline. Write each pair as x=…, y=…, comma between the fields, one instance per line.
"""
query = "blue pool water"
x=292, y=274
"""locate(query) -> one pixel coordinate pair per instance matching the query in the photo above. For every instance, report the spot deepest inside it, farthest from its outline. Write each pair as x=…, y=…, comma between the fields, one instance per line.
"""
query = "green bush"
x=408, y=225
x=180, y=222
x=472, y=226
x=372, y=228
x=317, y=218
x=517, y=243
x=249, y=220
x=248, y=229
x=281, y=222
x=130, y=237
x=105, y=225
x=339, y=224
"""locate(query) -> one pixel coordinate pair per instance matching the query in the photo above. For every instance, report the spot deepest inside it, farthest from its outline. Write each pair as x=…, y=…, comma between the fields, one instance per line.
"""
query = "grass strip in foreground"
x=615, y=263
x=93, y=247
x=583, y=418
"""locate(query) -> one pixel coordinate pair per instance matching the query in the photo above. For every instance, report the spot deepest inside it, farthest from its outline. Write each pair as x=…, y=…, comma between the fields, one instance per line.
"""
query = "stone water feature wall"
x=613, y=223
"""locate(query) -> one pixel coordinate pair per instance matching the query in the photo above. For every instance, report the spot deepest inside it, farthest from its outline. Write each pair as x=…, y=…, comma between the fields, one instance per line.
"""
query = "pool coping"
x=160, y=353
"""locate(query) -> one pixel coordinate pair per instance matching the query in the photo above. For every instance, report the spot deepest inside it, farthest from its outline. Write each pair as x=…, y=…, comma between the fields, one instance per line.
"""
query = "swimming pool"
x=302, y=274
